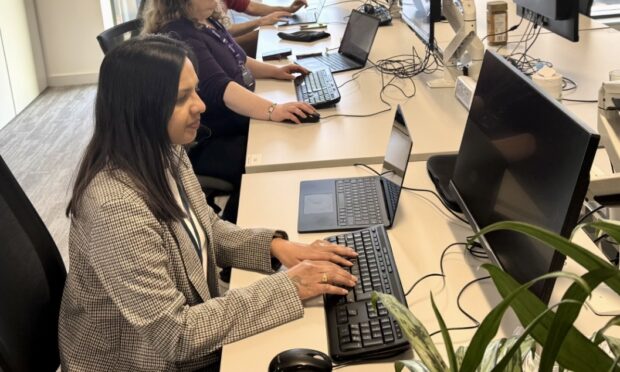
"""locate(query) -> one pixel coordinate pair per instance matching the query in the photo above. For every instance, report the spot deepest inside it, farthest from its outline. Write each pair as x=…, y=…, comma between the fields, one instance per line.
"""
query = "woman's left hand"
x=292, y=253
x=286, y=72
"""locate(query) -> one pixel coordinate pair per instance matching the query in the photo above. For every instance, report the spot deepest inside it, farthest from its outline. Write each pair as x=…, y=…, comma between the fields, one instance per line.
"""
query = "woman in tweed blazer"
x=142, y=293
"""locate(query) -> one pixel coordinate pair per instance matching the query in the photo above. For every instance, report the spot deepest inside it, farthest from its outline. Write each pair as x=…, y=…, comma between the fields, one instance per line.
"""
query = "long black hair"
x=136, y=96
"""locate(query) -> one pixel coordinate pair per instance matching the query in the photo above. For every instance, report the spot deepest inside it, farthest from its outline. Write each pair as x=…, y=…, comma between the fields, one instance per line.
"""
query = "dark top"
x=220, y=61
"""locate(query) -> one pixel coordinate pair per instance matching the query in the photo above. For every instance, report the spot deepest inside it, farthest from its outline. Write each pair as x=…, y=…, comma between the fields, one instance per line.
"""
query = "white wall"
x=22, y=71
x=68, y=30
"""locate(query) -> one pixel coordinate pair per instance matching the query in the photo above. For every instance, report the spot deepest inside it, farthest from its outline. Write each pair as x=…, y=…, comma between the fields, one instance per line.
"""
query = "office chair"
x=113, y=36
x=32, y=278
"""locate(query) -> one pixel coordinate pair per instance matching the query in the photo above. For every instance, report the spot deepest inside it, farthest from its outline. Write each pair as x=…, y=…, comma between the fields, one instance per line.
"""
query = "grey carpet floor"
x=43, y=145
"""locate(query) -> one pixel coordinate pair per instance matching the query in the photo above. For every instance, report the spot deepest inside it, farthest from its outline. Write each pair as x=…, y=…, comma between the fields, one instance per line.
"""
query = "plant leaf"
x=567, y=313
x=489, y=358
x=446, y=336
x=577, y=352
x=598, y=336
x=509, y=357
x=614, y=345
x=615, y=363
x=413, y=329
x=489, y=326
x=610, y=228
x=580, y=255
x=412, y=365
x=460, y=353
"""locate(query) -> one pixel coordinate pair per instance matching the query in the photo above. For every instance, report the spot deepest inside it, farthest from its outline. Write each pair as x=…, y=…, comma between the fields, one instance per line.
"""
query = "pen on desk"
x=307, y=55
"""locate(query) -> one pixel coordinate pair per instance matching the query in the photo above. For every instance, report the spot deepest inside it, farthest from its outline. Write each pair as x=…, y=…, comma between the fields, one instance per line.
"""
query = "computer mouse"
x=310, y=118
x=301, y=360
x=369, y=9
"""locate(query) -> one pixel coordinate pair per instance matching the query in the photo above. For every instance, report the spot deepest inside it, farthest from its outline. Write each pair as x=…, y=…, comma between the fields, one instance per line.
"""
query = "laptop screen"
x=359, y=36
x=395, y=162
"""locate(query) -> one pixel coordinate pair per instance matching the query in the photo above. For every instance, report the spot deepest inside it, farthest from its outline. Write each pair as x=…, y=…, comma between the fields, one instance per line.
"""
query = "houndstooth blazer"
x=136, y=298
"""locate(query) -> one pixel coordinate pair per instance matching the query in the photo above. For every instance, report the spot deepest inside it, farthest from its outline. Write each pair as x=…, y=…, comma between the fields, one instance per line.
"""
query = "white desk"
x=436, y=119
x=421, y=231
x=587, y=62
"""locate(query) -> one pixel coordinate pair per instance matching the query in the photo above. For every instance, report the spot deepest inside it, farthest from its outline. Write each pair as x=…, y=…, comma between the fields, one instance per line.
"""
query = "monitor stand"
x=465, y=43
x=440, y=169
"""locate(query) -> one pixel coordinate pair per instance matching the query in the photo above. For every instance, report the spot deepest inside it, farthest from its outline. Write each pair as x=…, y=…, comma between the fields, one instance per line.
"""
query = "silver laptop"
x=354, y=48
x=355, y=203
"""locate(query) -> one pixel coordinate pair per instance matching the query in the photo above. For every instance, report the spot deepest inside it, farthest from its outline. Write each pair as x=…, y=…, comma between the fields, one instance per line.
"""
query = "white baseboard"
x=72, y=79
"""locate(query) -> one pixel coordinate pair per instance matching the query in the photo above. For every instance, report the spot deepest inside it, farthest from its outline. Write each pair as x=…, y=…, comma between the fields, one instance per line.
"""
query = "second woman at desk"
x=226, y=85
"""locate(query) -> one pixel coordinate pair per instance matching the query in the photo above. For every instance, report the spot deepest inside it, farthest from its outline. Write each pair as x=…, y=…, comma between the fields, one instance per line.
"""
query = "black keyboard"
x=381, y=12
x=355, y=329
x=318, y=88
x=358, y=201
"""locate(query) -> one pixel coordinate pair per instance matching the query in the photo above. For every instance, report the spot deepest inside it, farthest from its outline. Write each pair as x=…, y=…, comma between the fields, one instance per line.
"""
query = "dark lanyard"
x=224, y=40
x=194, y=238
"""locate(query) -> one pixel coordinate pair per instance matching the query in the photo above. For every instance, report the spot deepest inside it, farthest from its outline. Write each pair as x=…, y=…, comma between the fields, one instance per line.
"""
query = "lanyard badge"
x=248, y=79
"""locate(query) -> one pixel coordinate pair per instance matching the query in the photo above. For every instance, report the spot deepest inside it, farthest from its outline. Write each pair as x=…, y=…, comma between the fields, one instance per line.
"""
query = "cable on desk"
x=358, y=115
x=458, y=303
x=458, y=298
x=514, y=27
x=440, y=199
x=342, y=2
x=441, y=273
x=355, y=75
x=580, y=100
x=370, y=169
x=585, y=216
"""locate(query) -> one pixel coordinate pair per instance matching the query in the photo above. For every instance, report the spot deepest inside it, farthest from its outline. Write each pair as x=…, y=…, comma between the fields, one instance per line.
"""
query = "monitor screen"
x=359, y=35
x=395, y=162
x=523, y=157
x=558, y=16
x=420, y=16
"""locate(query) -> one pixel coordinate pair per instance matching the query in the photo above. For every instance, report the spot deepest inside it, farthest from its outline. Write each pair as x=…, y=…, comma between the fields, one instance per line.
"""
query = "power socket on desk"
x=464, y=90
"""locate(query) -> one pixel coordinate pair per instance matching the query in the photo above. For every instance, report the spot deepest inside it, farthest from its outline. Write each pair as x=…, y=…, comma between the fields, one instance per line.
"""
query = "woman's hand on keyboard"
x=292, y=253
x=286, y=72
x=313, y=278
x=273, y=18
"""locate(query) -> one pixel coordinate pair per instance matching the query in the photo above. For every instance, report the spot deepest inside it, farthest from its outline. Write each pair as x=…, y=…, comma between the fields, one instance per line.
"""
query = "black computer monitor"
x=420, y=16
x=523, y=157
x=558, y=16
x=585, y=7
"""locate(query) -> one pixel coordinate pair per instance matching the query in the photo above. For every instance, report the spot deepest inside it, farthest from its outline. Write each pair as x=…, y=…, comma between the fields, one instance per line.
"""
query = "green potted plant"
x=551, y=328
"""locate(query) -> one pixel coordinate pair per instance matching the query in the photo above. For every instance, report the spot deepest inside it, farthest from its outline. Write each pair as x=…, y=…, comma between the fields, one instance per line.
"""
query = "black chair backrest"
x=32, y=278
x=114, y=36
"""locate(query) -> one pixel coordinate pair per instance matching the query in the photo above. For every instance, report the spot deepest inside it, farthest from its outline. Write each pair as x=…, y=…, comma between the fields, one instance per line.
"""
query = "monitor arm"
x=605, y=189
x=465, y=49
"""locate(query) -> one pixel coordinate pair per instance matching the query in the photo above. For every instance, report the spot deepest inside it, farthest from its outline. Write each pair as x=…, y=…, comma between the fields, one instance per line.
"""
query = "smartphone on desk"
x=278, y=54
x=313, y=26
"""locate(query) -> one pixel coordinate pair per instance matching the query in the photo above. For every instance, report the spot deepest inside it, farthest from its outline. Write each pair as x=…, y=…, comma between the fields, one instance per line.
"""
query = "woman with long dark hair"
x=142, y=293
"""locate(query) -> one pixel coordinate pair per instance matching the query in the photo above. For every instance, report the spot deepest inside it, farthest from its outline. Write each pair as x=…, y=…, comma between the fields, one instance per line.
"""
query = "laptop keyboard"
x=358, y=202
x=392, y=191
x=318, y=88
x=355, y=329
x=337, y=62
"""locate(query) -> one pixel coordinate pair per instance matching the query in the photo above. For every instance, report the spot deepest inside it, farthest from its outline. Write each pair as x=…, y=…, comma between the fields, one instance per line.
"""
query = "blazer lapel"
x=191, y=261
x=199, y=206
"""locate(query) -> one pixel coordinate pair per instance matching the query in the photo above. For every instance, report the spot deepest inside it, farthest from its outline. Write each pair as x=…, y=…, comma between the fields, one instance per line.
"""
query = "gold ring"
x=324, y=278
